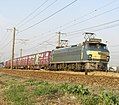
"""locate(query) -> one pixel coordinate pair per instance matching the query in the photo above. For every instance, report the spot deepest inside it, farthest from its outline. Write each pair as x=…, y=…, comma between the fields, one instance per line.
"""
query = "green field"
x=29, y=91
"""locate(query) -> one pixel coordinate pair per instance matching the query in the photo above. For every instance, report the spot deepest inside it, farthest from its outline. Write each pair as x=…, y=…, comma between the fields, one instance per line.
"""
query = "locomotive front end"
x=97, y=54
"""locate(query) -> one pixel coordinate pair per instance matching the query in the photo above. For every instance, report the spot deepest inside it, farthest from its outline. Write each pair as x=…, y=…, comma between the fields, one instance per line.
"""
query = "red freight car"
x=24, y=62
x=44, y=59
x=15, y=63
x=18, y=62
x=39, y=60
x=31, y=61
x=8, y=64
x=34, y=61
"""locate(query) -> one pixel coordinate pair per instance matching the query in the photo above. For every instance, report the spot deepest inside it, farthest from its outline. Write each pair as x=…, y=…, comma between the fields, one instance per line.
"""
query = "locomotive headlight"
x=108, y=57
x=90, y=56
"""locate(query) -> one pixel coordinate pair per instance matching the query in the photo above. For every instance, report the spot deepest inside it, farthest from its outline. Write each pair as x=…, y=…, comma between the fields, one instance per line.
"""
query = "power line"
x=112, y=26
x=84, y=29
x=96, y=26
x=77, y=31
x=49, y=16
x=95, y=10
x=38, y=13
x=105, y=5
x=32, y=12
x=91, y=18
x=6, y=44
x=46, y=41
x=5, y=37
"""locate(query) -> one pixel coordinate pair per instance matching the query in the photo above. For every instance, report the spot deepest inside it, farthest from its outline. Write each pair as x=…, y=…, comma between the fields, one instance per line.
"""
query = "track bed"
x=107, y=80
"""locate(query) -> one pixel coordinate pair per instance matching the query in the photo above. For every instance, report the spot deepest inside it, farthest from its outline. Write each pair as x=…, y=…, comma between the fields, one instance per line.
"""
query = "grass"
x=27, y=93
x=104, y=98
x=18, y=95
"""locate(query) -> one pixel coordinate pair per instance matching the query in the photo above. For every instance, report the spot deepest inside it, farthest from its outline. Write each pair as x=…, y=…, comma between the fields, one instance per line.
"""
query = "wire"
x=38, y=13
x=41, y=43
x=32, y=13
x=91, y=18
x=112, y=26
x=6, y=44
x=85, y=29
x=5, y=37
x=105, y=5
x=96, y=26
x=77, y=32
x=49, y=16
x=87, y=14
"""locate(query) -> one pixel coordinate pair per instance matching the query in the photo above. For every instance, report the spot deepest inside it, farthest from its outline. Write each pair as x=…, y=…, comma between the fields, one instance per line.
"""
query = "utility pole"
x=21, y=50
x=13, y=46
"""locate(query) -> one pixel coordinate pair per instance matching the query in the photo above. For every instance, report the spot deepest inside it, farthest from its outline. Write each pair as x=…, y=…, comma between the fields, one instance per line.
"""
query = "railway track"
x=94, y=79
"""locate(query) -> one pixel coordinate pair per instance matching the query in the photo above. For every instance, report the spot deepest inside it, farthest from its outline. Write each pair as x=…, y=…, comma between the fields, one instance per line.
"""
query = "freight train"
x=92, y=54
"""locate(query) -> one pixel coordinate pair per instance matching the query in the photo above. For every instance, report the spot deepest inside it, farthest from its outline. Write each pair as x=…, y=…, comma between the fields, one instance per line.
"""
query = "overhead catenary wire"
x=49, y=16
x=6, y=44
x=85, y=29
x=91, y=18
x=95, y=10
x=112, y=26
x=32, y=13
x=107, y=23
x=46, y=41
x=72, y=33
x=5, y=38
x=38, y=13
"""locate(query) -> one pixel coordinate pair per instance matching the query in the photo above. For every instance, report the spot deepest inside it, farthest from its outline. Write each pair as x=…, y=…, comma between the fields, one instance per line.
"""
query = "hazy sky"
x=73, y=20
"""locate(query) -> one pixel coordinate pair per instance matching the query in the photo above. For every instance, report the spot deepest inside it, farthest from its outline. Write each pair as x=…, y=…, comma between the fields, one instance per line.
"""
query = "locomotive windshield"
x=95, y=46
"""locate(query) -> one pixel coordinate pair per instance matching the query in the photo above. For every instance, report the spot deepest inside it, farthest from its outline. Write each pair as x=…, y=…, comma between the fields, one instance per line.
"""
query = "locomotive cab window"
x=102, y=46
x=94, y=46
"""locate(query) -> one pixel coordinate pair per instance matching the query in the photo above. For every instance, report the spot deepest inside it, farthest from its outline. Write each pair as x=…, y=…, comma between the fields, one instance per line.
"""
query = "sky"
x=37, y=27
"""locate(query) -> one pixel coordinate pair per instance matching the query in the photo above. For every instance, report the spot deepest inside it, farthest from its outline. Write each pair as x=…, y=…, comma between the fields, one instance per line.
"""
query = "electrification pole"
x=21, y=50
x=59, y=34
x=13, y=47
x=59, y=39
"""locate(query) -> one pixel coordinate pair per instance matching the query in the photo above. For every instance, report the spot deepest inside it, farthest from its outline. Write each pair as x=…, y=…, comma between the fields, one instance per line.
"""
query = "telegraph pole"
x=13, y=47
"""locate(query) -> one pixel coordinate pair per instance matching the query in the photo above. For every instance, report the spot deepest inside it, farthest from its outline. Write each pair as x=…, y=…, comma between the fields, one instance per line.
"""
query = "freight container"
x=24, y=62
x=8, y=64
x=31, y=61
x=44, y=58
x=15, y=63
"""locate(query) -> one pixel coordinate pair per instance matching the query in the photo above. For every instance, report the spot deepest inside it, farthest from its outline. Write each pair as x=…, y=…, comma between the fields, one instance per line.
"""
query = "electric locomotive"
x=92, y=54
